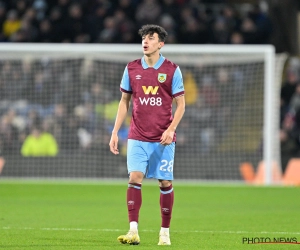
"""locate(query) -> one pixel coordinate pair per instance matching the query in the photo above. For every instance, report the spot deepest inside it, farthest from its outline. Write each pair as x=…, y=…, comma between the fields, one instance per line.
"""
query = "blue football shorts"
x=151, y=158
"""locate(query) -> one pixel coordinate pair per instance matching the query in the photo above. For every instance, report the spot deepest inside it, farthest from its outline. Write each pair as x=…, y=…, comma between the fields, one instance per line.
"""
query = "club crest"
x=162, y=77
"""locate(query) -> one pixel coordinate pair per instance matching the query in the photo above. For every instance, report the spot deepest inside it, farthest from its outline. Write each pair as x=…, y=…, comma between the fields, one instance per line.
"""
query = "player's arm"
x=121, y=115
x=2, y=162
x=178, y=93
x=167, y=136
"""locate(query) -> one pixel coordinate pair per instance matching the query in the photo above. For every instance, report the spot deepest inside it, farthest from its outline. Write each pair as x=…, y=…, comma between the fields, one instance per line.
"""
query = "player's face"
x=151, y=44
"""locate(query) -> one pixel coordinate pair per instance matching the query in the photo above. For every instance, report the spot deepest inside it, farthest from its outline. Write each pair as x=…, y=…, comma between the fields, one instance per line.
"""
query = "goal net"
x=72, y=93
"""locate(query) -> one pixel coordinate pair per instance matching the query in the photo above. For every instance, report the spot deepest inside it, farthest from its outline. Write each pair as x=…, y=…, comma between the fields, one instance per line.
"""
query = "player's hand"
x=167, y=137
x=113, y=144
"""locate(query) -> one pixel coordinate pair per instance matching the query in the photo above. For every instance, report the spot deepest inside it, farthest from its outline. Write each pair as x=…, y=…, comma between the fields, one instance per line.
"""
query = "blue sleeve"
x=125, y=83
x=177, y=83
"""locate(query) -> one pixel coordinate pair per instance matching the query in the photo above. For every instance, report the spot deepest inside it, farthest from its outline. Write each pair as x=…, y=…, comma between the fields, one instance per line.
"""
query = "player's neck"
x=151, y=60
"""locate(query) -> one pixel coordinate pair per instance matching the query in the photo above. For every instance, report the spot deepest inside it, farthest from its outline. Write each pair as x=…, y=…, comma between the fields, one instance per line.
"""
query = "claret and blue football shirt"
x=153, y=90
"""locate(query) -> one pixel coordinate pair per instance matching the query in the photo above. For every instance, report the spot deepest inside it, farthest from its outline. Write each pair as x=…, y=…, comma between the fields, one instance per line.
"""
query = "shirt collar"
x=157, y=65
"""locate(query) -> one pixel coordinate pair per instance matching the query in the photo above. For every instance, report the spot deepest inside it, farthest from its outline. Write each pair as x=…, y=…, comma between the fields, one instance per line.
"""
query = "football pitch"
x=91, y=215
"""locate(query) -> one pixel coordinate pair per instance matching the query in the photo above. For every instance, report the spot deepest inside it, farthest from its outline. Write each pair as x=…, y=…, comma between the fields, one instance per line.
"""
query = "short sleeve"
x=177, y=83
x=125, y=82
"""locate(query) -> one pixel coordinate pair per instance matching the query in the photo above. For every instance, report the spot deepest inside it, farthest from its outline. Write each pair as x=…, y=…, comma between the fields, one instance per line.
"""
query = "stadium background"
x=57, y=100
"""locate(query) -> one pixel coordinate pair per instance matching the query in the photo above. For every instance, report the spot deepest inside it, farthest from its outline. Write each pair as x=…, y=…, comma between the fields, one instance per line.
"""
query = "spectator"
x=13, y=82
x=32, y=120
x=297, y=130
x=209, y=92
x=170, y=25
x=171, y=7
x=12, y=24
x=295, y=100
x=39, y=89
x=231, y=18
x=2, y=94
x=289, y=87
x=63, y=6
x=75, y=23
x=59, y=120
x=39, y=144
x=249, y=31
x=220, y=31
x=26, y=33
x=2, y=14
x=185, y=14
x=110, y=32
x=148, y=11
x=30, y=16
x=290, y=114
x=128, y=7
x=289, y=138
x=9, y=132
x=288, y=147
x=95, y=21
x=46, y=34
x=125, y=27
x=56, y=21
x=236, y=38
x=194, y=32
x=21, y=7
x=40, y=6
x=262, y=23
x=69, y=133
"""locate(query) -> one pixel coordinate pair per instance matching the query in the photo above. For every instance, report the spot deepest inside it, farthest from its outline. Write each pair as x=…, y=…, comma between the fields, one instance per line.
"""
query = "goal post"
x=232, y=111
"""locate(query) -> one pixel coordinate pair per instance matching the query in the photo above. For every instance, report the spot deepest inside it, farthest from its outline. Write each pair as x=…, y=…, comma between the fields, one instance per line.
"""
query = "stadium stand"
x=103, y=21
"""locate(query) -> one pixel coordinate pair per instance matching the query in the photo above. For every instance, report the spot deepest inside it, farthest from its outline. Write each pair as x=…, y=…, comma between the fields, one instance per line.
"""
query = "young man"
x=152, y=82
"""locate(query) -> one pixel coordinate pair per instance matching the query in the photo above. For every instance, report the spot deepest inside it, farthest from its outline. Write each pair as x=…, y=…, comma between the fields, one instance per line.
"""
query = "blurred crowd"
x=290, y=112
x=61, y=97
x=117, y=21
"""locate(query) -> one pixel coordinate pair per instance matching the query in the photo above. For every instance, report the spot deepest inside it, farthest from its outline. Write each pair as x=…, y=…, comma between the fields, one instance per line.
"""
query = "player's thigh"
x=161, y=162
x=137, y=158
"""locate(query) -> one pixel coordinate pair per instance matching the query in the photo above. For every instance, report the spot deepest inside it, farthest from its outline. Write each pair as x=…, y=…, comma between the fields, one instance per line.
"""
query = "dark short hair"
x=150, y=29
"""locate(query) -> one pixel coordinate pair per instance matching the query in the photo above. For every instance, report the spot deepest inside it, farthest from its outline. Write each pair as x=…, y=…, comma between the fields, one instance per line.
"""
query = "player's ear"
x=161, y=44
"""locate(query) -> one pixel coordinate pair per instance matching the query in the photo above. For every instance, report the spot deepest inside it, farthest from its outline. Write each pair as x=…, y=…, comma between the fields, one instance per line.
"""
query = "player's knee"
x=165, y=183
x=136, y=177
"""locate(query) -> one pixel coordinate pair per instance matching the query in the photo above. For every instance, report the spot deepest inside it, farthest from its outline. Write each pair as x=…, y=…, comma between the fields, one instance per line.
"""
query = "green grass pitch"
x=80, y=215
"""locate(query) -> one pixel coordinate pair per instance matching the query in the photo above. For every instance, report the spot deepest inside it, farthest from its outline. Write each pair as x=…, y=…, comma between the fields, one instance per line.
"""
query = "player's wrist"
x=172, y=129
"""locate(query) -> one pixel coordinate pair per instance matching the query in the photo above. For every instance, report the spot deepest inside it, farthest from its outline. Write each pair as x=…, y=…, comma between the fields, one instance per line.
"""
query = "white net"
x=72, y=93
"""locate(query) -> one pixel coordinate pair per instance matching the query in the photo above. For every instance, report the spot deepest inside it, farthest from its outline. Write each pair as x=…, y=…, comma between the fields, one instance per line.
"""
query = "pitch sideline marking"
x=119, y=230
